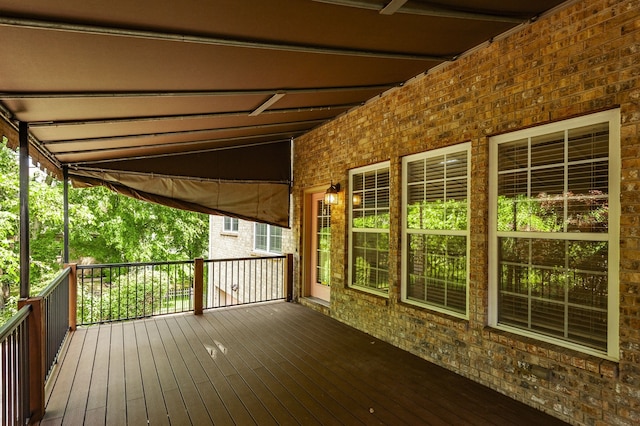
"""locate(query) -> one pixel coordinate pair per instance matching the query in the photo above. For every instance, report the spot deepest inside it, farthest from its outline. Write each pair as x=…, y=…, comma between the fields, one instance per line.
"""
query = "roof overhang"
x=210, y=94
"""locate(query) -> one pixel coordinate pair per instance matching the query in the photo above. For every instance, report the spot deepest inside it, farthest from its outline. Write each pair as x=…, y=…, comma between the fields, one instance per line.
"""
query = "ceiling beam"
x=277, y=137
x=52, y=143
x=435, y=11
x=392, y=7
x=272, y=100
x=208, y=40
x=212, y=115
x=191, y=93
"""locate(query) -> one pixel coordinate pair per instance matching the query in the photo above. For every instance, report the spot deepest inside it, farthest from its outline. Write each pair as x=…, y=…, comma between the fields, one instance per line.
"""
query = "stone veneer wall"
x=581, y=58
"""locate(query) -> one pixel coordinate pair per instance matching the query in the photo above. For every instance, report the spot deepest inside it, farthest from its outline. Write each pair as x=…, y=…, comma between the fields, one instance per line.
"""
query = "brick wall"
x=580, y=59
x=226, y=245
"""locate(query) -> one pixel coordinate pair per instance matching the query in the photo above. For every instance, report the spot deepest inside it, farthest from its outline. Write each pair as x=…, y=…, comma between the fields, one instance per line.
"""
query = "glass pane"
x=383, y=198
x=588, y=214
x=588, y=282
x=456, y=164
x=548, y=317
x=357, y=181
x=512, y=185
x=382, y=178
x=556, y=283
x=415, y=171
x=437, y=270
x=370, y=180
x=589, y=142
x=588, y=327
x=434, y=168
x=589, y=178
x=549, y=181
x=415, y=193
x=547, y=149
x=513, y=310
x=513, y=155
x=261, y=236
x=370, y=254
x=514, y=214
x=275, y=239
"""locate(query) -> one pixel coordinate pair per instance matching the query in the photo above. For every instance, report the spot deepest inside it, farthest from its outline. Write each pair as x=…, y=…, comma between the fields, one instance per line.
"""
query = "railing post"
x=73, y=295
x=198, y=284
x=37, y=355
x=288, y=276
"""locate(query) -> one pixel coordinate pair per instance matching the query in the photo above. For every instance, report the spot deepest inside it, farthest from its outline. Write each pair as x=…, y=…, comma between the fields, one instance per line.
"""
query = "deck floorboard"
x=267, y=364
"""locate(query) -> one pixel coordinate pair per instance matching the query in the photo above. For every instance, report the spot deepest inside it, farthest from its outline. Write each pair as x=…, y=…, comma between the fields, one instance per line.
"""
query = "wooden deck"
x=276, y=363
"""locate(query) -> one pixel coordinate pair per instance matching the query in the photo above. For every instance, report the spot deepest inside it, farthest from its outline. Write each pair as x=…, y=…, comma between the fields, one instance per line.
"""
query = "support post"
x=23, y=130
x=198, y=285
x=73, y=295
x=288, y=276
x=37, y=354
x=65, y=202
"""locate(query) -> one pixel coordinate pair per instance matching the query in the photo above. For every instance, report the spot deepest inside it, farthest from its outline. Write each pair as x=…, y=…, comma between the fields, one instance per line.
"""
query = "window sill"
x=377, y=297
x=452, y=320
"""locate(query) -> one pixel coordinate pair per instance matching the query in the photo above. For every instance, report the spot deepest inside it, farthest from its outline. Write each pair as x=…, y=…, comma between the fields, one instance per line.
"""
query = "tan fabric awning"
x=251, y=183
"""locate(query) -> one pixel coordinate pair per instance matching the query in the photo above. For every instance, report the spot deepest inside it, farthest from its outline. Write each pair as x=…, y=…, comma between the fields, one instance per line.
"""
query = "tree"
x=104, y=226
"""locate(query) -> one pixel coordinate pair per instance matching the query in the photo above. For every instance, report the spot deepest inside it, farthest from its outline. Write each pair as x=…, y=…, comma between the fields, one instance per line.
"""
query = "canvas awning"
x=195, y=103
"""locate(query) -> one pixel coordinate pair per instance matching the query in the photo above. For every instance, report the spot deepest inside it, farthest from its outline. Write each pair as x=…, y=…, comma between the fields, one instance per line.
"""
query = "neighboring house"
x=489, y=217
x=234, y=282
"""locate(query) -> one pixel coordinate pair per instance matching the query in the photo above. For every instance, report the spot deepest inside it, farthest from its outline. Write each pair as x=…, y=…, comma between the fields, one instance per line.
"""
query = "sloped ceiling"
x=132, y=86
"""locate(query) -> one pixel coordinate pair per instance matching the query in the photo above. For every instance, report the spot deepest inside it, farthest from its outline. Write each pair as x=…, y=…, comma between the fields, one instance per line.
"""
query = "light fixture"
x=331, y=196
x=356, y=200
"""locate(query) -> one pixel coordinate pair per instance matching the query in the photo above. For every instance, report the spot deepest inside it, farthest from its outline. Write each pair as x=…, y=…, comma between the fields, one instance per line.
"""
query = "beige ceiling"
x=103, y=82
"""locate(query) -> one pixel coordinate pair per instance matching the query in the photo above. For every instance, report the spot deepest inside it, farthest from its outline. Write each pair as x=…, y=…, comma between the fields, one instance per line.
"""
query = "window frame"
x=360, y=170
x=612, y=236
x=231, y=221
x=269, y=236
x=458, y=148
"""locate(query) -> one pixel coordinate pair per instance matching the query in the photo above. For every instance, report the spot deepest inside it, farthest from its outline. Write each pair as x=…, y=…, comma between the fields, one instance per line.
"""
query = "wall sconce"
x=331, y=196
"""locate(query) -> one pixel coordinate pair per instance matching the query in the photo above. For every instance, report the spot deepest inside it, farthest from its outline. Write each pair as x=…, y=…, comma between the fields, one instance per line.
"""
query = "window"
x=554, y=213
x=436, y=230
x=230, y=224
x=322, y=253
x=268, y=238
x=369, y=228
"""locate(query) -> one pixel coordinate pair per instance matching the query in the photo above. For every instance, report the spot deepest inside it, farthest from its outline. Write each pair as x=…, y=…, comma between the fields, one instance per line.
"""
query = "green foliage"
x=324, y=256
x=112, y=229
x=104, y=226
x=117, y=293
x=362, y=272
x=450, y=215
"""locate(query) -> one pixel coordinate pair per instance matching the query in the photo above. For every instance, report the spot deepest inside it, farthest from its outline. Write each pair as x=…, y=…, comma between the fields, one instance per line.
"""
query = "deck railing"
x=31, y=340
x=117, y=292
x=56, y=322
x=245, y=280
x=14, y=360
x=29, y=345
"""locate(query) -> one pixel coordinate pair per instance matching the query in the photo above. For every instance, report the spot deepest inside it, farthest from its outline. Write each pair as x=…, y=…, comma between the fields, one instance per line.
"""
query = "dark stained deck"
x=276, y=363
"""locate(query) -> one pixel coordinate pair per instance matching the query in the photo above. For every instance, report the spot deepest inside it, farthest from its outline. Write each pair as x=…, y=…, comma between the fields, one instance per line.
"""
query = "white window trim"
x=359, y=170
x=230, y=231
x=268, y=250
x=442, y=151
x=613, y=235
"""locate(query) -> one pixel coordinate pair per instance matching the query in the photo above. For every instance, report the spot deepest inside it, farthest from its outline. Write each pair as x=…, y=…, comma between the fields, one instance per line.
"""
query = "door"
x=320, y=248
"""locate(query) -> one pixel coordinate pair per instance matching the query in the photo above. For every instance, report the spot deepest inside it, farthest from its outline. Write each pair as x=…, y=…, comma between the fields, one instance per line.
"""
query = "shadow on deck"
x=275, y=363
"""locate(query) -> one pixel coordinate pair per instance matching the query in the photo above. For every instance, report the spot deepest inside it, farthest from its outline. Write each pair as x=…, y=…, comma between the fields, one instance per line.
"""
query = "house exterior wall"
x=581, y=58
x=229, y=245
